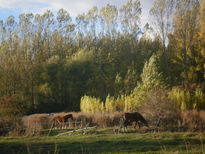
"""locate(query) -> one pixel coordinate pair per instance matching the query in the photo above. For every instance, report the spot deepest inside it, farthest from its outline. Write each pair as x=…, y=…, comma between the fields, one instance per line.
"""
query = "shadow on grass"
x=98, y=144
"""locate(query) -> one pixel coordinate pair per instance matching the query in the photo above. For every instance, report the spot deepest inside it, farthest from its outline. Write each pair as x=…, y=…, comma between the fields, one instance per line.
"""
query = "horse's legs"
x=56, y=123
x=125, y=125
x=59, y=124
x=138, y=125
x=63, y=123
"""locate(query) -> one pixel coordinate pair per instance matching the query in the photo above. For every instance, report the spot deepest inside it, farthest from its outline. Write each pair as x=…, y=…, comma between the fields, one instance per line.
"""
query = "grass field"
x=105, y=141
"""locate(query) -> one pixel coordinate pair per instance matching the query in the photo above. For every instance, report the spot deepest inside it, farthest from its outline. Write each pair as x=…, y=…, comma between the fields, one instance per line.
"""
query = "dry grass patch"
x=194, y=120
x=36, y=122
x=191, y=120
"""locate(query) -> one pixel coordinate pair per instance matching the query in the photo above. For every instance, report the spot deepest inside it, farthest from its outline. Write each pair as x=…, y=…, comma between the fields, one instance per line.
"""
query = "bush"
x=11, y=110
x=156, y=106
x=186, y=100
x=91, y=105
x=34, y=123
x=152, y=78
x=110, y=104
x=122, y=103
x=193, y=120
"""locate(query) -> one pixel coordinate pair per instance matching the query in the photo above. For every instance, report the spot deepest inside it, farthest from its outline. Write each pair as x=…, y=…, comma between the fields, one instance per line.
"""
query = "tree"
x=152, y=78
x=130, y=20
x=201, y=67
x=162, y=12
x=130, y=17
x=92, y=18
x=109, y=15
x=65, y=28
x=185, y=32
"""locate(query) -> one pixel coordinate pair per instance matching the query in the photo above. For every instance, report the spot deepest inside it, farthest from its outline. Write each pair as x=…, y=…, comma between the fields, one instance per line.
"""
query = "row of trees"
x=152, y=88
x=51, y=61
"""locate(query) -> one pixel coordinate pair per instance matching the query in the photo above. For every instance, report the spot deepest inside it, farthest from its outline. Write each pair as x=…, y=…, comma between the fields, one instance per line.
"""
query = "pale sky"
x=74, y=7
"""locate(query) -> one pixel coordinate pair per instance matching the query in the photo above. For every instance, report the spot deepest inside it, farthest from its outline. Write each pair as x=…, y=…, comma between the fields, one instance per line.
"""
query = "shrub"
x=110, y=104
x=130, y=103
x=152, y=78
x=34, y=123
x=91, y=104
x=11, y=110
x=156, y=106
x=194, y=120
x=186, y=100
x=121, y=103
x=199, y=100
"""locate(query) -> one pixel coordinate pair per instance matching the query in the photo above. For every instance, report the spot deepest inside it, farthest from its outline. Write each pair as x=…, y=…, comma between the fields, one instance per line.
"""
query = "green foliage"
x=130, y=81
x=152, y=78
x=12, y=107
x=110, y=104
x=186, y=100
x=199, y=99
x=185, y=43
x=151, y=75
x=52, y=61
x=121, y=103
x=130, y=103
x=11, y=110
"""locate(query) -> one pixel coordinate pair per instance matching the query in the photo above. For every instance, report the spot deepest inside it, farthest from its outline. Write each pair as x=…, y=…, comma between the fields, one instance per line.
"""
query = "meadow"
x=104, y=140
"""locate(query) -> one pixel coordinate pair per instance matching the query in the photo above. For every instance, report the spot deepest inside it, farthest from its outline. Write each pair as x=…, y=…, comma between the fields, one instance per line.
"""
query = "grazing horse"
x=129, y=118
x=63, y=119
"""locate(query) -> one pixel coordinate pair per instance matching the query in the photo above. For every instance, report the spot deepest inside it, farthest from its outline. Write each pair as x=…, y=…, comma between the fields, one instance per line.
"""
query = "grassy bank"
x=104, y=140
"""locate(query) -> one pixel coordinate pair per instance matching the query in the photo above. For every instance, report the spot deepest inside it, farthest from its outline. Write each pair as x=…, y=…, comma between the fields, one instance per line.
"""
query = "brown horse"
x=136, y=117
x=59, y=120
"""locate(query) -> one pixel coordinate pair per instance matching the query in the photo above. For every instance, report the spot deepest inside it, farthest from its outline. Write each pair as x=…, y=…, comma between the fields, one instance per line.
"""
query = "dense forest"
x=104, y=60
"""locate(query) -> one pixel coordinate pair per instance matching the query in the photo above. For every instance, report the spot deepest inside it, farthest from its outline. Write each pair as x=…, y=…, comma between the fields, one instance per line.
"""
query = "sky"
x=74, y=7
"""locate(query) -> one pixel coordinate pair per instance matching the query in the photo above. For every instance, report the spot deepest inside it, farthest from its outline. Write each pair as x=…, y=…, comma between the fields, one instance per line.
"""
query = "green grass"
x=105, y=141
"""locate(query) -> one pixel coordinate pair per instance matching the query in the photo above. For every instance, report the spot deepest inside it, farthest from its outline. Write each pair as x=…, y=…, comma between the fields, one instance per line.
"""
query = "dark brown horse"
x=136, y=117
x=59, y=120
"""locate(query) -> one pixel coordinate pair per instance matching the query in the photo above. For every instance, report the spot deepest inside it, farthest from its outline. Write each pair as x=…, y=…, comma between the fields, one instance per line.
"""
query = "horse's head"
x=126, y=123
x=71, y=117
x=146, y=124
x=68, y=116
